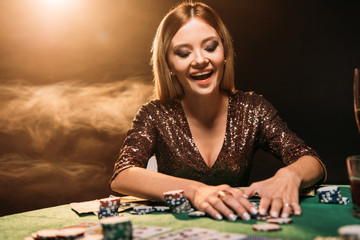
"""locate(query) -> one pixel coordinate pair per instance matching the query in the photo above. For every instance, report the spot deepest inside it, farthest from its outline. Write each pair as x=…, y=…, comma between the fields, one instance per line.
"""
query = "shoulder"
x=157, y=108
x=250, y=97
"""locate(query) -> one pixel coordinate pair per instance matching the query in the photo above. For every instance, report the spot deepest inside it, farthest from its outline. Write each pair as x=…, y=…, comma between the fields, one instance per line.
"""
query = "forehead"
x=195, y=29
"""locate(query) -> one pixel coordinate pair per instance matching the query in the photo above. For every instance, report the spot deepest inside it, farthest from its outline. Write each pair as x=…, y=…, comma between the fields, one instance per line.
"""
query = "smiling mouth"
x=202, y=75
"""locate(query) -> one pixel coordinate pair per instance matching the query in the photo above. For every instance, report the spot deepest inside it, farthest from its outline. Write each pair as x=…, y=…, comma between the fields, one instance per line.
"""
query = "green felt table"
x=318, y=219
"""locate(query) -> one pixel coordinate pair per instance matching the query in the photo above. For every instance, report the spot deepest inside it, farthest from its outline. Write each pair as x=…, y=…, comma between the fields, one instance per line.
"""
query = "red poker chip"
x=111, y=201
x=266, y=227
x=279, y=220
x=176, y=194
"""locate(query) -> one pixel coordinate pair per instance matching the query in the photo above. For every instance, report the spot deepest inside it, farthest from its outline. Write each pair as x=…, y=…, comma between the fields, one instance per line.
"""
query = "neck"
x=205, y=109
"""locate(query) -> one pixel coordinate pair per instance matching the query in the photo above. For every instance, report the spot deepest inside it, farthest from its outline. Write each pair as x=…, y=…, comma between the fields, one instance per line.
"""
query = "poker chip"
x=146, y=209
x=331, y=194
x=46, y=234
x=109, y=207
x=344, y=200
x=177, y=201
x=110, y=201
x=161, y=208
x=349, y=232
x=279, y=220
x=256, y=204
x=116, y=227
x=328, y=189
x=266, y=227
x=70, y=233
x=197, y=214
x=137, y=212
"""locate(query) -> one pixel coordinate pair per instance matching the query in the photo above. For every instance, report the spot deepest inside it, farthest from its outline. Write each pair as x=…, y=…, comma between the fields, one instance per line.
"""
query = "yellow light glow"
x=53, y=4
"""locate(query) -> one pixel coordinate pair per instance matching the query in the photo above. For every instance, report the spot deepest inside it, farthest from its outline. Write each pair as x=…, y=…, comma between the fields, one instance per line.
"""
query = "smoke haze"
x=59, y=140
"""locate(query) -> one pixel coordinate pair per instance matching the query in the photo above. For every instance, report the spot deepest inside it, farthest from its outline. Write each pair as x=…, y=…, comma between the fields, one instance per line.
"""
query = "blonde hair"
x=167, y=86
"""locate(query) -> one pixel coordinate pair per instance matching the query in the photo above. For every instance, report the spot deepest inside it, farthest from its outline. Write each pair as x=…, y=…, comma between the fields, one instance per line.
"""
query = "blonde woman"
x=204, y=133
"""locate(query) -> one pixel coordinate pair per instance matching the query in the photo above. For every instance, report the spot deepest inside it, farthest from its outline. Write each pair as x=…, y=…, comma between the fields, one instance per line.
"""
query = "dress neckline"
x=188, y=132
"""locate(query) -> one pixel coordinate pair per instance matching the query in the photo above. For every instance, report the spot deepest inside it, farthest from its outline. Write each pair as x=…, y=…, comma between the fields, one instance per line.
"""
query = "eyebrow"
x=202, y=42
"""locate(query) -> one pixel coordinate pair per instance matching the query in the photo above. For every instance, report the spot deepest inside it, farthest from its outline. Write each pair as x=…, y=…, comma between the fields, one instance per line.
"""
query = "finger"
x=286, y=209
x=250, y=191
x=264, y=205
x=276, y=206
x=296, y=208
x=206, y=207
x=221, y=207
x=244, y=201
x=234, y=204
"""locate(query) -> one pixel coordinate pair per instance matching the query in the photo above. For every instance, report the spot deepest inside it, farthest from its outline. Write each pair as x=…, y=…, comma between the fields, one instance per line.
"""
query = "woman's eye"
x=212, y=47
x=182, y=54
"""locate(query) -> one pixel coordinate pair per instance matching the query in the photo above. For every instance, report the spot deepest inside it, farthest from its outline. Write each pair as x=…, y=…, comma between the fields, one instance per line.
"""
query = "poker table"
x=318, y=219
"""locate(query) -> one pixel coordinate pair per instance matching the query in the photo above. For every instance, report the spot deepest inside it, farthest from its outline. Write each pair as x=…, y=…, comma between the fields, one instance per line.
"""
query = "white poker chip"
x=329, y=189
x=144, y=208
x=197, y=214
x=266, y=227
x=279, y=220
x=350, y=231
x=161, y=208
x=138, y=212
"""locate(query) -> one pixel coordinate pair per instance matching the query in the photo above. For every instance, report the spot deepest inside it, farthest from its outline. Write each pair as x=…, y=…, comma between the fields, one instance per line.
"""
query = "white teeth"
x=201, y=73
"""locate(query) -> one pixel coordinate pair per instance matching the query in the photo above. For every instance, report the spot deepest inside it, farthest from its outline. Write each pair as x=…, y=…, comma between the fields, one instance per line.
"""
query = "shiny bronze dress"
x=160, y=128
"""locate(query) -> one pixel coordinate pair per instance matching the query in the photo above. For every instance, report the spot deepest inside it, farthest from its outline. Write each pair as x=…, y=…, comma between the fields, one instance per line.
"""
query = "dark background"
x=73, y=74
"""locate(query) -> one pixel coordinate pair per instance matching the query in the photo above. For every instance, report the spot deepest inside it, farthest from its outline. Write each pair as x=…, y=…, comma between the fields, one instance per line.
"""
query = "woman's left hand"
x=279, y=193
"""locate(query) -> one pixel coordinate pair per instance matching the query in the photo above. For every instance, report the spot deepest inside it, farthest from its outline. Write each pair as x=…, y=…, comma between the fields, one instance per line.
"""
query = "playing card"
x=188, y=234
x=224, y=236
x=148, y=231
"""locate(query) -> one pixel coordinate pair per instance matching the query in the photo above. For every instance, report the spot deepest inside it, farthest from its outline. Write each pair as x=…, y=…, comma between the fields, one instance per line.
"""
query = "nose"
x=199, y=60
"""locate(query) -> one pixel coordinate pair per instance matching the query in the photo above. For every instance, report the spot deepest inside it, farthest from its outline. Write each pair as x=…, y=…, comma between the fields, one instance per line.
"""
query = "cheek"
x=180, y=67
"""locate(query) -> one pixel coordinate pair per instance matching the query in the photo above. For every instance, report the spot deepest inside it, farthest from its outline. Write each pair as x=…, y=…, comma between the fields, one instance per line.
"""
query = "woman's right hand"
x=223, y=200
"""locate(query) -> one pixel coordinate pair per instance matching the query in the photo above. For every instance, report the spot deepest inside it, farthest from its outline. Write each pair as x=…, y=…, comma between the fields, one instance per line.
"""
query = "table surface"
x=317, y=219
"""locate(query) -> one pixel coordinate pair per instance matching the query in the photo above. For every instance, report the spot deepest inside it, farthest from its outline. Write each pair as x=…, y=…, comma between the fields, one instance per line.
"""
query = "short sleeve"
x=278, y=139
x=139, y=143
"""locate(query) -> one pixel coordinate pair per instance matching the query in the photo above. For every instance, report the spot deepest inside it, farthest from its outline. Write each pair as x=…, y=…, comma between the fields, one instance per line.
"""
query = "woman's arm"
x=144, y=183
x=281, y=192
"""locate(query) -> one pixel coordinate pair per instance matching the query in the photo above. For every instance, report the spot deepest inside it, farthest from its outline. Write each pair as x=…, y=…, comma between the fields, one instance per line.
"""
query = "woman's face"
x=196, y=57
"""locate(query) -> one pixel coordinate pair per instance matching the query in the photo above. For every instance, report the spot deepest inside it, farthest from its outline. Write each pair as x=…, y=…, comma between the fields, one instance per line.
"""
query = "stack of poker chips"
x=331, y=194
x=177, y=201
x=116, y=228
x=109, y=207
x=141, y=210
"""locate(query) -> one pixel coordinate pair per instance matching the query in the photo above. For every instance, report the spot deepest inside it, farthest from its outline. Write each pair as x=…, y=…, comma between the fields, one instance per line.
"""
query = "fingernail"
x=274, y=214
x=285, y=215
x=218, y=217
x=297, y=213
x=246, y=216
x=253, y=210
x=232, y=217
x=245, y=196
x=262, y=211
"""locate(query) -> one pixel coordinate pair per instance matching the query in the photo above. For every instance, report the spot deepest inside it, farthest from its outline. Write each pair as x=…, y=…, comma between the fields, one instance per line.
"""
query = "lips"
x=201, y=75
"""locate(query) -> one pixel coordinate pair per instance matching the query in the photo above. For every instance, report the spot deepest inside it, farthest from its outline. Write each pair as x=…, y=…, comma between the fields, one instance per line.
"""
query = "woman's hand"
x=279, y=193
x=223, y=200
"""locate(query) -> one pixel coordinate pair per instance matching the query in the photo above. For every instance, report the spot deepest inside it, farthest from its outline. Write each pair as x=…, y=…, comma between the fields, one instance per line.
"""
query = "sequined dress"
x=160, y=128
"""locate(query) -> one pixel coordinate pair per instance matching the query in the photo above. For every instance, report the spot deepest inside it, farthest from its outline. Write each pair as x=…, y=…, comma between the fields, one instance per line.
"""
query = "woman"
x=204, y=133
